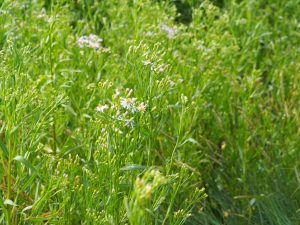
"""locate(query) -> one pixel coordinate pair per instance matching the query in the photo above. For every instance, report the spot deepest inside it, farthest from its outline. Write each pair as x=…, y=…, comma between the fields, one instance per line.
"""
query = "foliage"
x=149, y=112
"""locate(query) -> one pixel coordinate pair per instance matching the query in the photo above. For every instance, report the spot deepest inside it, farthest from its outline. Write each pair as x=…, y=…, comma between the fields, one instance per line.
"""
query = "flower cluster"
x=102, y=108
x=47, y=18
x=91, y=41
x=130, y=104
x=144, y=187
x=170, y=31
x=158, y=68
x=149, y=34
x=123, y=108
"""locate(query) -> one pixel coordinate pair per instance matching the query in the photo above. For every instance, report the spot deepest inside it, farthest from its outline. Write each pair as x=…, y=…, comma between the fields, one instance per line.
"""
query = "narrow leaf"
x=71, y=150
x=4, y=149
x=9, y=202
x=132, y=167
x=24, y=162
x=27, y=208
x=191, y=140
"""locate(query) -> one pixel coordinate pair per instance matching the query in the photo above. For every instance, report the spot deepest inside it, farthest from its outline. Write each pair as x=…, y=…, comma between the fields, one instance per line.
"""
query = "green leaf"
x=252, y=201
x=3, y=207
x=24, y=162
x=4, y=149
x=71, y=150
x=27, y=208
x=132, y=167
x=69, y=109
x=9, y=202
x=190, y=140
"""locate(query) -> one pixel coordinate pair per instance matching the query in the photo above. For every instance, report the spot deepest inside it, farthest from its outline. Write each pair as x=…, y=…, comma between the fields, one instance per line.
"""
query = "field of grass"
x=150, y=112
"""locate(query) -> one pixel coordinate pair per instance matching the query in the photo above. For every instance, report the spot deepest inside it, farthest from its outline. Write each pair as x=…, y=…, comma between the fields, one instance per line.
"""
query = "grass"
x=185, y=112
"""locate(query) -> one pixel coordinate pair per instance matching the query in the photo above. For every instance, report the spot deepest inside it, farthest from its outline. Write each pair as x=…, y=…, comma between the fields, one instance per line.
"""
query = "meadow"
x=150, y=112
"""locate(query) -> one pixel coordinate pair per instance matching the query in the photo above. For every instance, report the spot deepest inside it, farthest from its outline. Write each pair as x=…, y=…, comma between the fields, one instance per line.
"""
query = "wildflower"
x=146, y=63
x=172, y=83
x=82, y=41
x=117, y=93
x=101, y=108
x=94, y=45
x=170, y=31
x=94, y=41
x=142, y=107
x=161, y=69
x=94, y=38
x=41, y=16
x=127, y=103
x=91, y=41
x=149, y=34
x=50, y=20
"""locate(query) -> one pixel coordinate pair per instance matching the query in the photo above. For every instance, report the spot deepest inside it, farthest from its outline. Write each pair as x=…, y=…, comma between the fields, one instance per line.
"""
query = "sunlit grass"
x=126, y=112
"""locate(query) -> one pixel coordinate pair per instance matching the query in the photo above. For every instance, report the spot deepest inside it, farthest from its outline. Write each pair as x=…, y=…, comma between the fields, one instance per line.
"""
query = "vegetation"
x=149, y=112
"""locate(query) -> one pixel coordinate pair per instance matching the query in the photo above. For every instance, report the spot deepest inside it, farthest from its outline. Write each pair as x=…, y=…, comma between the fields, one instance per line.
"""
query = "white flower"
x=127, y=103
x=91, y=41
x=117, y=93
x=181, y=80
x=141, y=107
x=161, y=69
x=81, y=41
x=41, y=16
x=94, y=45
x=172, y=83
x=50, y=20
x=94, y=38
x=149, y=34
x=101, y=108
x=146, y=63
x=170, y=31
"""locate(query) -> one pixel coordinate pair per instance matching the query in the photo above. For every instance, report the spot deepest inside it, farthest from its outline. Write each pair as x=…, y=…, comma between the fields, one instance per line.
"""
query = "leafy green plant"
x=149, y=112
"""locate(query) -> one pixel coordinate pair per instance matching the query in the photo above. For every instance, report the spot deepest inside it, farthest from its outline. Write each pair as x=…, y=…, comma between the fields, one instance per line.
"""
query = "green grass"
x=187, y=113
